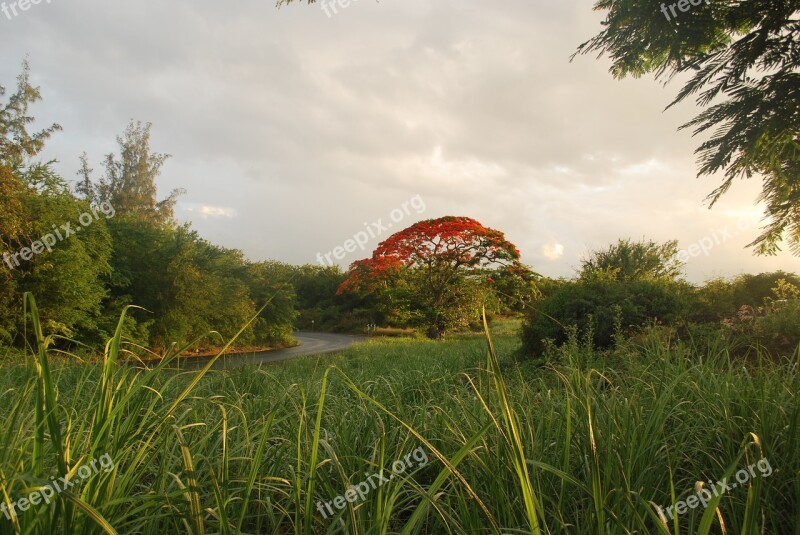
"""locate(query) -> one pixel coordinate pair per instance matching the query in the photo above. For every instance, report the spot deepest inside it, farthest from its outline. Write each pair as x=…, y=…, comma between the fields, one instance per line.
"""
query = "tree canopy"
x=629, y=261
x=741, y=58
x=440, y=268
x=129, y=183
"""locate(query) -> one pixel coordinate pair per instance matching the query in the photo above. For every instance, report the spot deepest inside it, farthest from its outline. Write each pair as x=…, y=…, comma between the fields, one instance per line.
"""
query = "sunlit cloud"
x=553, y=251
x=207, y=211
x=644, y=169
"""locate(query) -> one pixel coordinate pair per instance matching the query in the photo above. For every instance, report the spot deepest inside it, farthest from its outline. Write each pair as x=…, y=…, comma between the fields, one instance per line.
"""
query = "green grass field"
x=593, y=444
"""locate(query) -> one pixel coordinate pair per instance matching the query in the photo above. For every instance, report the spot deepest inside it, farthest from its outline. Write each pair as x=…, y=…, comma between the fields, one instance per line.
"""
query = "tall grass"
x=593, y=444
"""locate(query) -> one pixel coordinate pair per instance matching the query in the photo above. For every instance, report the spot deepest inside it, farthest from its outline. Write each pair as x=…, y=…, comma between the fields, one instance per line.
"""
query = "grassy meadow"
x=591, y=443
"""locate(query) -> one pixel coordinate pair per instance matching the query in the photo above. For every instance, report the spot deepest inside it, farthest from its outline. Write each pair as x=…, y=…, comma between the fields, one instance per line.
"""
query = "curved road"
x=310, y=344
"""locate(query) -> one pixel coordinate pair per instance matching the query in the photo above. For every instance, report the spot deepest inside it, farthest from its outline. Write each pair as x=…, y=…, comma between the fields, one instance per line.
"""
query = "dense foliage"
x=602, y=309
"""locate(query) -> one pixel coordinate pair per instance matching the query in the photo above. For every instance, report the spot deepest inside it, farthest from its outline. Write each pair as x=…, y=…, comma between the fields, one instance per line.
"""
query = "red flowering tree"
x=436, y=271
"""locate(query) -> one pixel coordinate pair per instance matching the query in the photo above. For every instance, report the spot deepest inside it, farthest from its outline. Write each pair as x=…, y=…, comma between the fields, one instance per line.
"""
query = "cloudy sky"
x=292, y=130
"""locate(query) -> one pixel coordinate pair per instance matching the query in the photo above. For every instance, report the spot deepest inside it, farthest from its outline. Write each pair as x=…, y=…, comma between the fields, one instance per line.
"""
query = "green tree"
x=18, y=146
x=208, y=291
x=69, y=276
x=188, y=286
x=272, y=283
x=319, y=307
x=740, y=59
x=633, y=261
x=129, y=183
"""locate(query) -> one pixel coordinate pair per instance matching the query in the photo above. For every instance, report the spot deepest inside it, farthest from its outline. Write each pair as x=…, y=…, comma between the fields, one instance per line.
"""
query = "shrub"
x=774, y=326
x=721, y=298
x=394, y=332
x=602, y=308
x=779, y=329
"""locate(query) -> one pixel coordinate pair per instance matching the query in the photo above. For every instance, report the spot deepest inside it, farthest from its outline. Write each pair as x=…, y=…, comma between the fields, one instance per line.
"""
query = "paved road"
x=310, y=344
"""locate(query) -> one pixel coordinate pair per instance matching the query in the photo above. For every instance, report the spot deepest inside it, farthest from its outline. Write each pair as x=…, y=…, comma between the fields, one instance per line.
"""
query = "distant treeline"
x=88, y=251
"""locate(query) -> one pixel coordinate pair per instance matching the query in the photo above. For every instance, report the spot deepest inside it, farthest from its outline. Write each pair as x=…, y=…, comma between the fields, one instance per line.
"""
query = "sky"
x=296, y=129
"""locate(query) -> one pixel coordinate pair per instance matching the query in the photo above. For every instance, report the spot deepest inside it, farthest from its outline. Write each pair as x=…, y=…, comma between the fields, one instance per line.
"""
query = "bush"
x=779, y=329
x=722, y=298
x=394, y=332
x=600, y=308
x=774, y=327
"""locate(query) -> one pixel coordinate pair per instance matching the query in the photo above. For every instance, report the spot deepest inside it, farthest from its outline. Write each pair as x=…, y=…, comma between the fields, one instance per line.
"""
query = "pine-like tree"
x=129, y=183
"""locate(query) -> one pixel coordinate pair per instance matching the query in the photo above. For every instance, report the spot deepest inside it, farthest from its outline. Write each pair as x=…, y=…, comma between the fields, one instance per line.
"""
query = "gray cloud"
x=290, y=129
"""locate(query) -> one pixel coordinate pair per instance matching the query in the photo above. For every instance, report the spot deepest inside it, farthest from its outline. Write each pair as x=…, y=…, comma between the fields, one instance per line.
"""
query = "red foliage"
x=447, y=244
x=365, y=275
